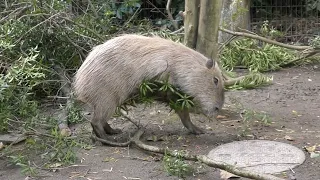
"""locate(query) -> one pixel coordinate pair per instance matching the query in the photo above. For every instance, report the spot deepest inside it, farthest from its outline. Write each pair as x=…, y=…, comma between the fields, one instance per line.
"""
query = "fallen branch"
x=249, y=35
x=202, y=158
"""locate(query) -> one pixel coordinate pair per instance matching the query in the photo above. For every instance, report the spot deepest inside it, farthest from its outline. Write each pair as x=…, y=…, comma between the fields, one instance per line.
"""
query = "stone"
x=261, y=156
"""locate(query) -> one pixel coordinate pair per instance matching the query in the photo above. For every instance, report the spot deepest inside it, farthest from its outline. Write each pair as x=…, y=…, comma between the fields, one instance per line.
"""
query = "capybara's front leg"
x=185, y=119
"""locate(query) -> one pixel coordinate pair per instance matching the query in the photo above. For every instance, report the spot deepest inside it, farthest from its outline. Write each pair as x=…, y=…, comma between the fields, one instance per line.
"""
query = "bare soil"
x=292, y=103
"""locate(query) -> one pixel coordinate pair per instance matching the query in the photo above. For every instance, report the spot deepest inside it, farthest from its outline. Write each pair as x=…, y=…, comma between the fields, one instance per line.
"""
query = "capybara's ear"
x=210, y=63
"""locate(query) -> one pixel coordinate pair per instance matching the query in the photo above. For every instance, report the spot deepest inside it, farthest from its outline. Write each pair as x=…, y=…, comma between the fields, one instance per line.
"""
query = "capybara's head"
x=210, y=92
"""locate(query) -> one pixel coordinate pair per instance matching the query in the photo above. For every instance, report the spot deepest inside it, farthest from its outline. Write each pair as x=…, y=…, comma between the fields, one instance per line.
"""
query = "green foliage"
x=269, y=32
x=16, y=89
x=61, y=148
x=313, y=5
x=240, y=10
x=74, y=113
x=315, y=43
x=162, y=90
x=121, y=9
x=49, y=33
x=256, y=56
x=250, y=117
x=26, y=168
x=50, y=148
x=176, y=166
x=251, y=81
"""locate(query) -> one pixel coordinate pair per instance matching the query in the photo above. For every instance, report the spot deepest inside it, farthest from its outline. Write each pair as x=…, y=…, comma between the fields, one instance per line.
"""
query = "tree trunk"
x=191, y=22
x=209, y=20
x=235, y=14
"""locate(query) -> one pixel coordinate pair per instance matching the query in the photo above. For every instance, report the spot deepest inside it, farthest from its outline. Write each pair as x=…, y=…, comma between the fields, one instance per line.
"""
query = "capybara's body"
x=113, y=71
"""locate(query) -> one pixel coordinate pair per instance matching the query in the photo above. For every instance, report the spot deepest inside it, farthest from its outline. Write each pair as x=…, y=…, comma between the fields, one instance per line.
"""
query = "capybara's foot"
x=112, y=131
x=196, y=130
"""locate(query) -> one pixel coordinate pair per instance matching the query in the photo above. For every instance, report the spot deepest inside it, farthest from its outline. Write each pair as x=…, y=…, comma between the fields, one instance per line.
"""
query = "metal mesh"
x=150, y=9
x=297, y=20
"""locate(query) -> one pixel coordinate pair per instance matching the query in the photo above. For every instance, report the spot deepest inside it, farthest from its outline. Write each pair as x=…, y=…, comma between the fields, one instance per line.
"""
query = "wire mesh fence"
x=297, y=20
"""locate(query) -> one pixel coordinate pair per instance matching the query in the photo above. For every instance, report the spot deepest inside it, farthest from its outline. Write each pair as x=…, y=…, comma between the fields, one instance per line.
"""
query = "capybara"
x=113, y=71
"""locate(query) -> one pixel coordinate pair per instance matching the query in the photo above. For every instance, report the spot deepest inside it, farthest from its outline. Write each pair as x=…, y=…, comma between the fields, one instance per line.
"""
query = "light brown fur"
x=114, y=70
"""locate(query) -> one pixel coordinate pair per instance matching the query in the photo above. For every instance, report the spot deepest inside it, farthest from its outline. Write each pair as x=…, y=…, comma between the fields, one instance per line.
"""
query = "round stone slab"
x=261, y=156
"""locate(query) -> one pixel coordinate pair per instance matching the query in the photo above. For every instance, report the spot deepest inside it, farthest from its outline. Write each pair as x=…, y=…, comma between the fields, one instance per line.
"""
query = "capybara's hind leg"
x=185, y=119
x=102, y=116
x=100, y=125
x=97, y=127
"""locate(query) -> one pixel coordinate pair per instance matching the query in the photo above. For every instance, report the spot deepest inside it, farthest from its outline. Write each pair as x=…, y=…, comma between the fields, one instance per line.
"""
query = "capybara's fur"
x=113, y=71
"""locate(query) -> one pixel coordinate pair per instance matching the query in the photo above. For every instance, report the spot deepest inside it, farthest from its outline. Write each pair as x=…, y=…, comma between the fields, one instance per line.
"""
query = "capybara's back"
x=113, y=71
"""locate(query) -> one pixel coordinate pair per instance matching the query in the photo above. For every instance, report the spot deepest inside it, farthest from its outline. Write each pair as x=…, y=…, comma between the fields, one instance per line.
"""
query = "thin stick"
x=175, y=24
x=178, y=31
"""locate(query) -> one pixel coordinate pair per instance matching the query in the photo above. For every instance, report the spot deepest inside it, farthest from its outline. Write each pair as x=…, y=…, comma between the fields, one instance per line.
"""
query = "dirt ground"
x=292, y=102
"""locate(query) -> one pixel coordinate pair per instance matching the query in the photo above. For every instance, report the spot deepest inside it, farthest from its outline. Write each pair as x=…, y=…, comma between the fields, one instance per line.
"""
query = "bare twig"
x=175, y=24
x=5, y=4
x=31, y=15
x=246, y=31
x=226, y=43
x=310, y=54
x=123, y=113
x=178, y=31
x=83, y=26
x=134, y=14
x=155, y=7
x=84, y=36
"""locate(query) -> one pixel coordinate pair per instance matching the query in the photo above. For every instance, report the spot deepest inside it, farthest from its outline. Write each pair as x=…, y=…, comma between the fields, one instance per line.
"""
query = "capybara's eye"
x=216, y=81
